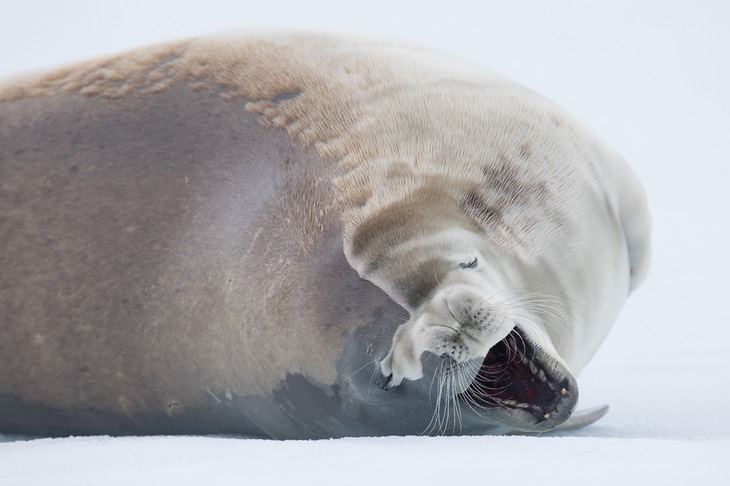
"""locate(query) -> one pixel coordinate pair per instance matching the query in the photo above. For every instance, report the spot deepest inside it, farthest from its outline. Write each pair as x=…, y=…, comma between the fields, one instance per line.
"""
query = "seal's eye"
x=471, y=264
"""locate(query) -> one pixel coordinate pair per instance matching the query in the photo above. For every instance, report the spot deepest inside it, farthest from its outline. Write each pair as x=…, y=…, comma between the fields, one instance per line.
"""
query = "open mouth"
x=517, y=375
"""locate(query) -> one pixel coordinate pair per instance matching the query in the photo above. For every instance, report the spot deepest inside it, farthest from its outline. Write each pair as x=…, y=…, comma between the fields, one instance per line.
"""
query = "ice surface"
x=392, y=460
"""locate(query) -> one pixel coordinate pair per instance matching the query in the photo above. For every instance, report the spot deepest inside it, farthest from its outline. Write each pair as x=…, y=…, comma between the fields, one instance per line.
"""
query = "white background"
x=651, y=77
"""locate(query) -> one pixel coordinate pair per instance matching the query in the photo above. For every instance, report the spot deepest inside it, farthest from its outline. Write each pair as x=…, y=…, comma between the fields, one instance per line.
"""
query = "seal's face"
x=495, y=363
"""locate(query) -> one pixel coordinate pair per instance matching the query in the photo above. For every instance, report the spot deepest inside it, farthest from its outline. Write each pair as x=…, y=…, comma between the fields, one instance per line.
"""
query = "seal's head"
x=493, y=358
x=481, y=346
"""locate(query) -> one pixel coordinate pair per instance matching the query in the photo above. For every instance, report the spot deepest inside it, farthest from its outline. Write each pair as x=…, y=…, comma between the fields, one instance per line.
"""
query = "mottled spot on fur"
x=504, y=177
x=476, y=207
x=525, y=150
x=286, y=96
x=557, y=120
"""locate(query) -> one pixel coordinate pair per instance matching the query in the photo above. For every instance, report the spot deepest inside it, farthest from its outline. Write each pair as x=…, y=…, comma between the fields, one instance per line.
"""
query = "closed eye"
x=471, y=264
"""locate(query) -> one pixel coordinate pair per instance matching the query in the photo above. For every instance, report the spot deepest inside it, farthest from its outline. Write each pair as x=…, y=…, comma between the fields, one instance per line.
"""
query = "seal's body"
x=302, y=235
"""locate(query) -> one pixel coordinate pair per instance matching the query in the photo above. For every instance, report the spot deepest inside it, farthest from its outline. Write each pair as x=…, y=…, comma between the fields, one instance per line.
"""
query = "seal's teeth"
x=563, y=392
x=514, y=403
x=533, y=368
x=541, y=375
x=547, y=415
x=524, y=360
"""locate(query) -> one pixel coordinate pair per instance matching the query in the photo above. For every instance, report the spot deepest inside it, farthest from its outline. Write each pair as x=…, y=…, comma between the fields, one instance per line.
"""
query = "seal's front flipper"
x=382, y=381
x=582, y=418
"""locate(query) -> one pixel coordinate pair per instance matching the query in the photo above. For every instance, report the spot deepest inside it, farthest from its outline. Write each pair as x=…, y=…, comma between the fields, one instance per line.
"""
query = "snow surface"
x=414, y=460
x=652, y=77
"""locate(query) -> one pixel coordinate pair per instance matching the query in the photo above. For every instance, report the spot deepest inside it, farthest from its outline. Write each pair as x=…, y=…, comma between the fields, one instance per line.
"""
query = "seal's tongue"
x=516, y=375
